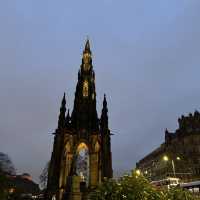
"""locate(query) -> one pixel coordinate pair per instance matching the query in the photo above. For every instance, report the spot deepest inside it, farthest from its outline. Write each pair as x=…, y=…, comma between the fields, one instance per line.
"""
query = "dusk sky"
x=146, y=56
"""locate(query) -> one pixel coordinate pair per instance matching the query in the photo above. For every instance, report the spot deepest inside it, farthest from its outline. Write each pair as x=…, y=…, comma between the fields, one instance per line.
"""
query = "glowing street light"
x=138, y=172
x=166, y=159
x=178, y=158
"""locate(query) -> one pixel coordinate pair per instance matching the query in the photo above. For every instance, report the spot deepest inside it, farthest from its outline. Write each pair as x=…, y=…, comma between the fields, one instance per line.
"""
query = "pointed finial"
x=87, y=46
x=61, y=119
x=104, y=114
x=104, y=101
x=63, y=100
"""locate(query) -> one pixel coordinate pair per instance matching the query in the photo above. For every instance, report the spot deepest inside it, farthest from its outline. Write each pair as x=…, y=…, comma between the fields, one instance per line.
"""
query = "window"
x=85, y=89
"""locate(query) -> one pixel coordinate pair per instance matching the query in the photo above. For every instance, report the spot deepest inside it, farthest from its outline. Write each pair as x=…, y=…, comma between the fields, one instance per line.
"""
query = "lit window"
x=85, y=89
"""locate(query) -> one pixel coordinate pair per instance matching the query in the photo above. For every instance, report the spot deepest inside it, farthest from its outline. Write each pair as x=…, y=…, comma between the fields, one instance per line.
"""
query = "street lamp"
x=178, y=158
x=166, y=159
x=138, y=172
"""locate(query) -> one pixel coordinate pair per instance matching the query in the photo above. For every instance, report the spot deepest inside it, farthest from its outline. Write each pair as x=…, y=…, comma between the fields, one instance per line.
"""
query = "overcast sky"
x=146, y=56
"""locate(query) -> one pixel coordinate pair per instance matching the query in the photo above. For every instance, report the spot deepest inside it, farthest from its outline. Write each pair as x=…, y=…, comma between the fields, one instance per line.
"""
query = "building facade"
x=81, y=156
x=179, y=155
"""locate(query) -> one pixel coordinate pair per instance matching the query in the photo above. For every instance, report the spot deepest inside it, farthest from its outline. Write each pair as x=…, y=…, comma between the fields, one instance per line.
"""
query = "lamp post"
x=166, y=159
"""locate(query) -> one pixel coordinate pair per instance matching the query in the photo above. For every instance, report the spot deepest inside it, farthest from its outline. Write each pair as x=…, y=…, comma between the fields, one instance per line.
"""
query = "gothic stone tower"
x=81, y=156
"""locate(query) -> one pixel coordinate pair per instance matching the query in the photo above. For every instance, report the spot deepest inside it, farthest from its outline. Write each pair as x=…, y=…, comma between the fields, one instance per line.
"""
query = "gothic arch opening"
x=97, y=147
x=82, y=162
x=65, y=166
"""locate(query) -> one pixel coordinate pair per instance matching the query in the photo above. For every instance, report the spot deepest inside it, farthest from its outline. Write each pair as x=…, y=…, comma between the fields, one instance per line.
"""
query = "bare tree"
x=6, y=168
x=6, y=165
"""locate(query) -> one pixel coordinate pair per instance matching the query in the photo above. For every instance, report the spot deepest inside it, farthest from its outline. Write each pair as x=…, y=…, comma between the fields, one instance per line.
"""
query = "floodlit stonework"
x=81, y=156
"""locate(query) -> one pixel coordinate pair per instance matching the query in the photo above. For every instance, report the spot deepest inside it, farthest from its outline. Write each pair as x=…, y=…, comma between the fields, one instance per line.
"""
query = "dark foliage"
x=6, y=165
x=137, y=188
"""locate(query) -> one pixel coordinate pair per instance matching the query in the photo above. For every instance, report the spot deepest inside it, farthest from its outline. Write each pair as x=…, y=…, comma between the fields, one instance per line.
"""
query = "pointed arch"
x=67, y=148
x=83, y=161
x=97, y=147
x=65, y=165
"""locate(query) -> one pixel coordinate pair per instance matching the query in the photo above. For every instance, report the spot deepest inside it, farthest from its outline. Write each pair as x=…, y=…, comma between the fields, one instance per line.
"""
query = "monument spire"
x=105, y=142
x=104, y=114
x=84, y=114
x=81, y=158
x=61, y=119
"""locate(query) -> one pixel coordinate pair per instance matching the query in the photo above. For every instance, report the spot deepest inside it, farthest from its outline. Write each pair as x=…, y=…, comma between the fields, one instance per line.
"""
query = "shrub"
x=137, y=188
